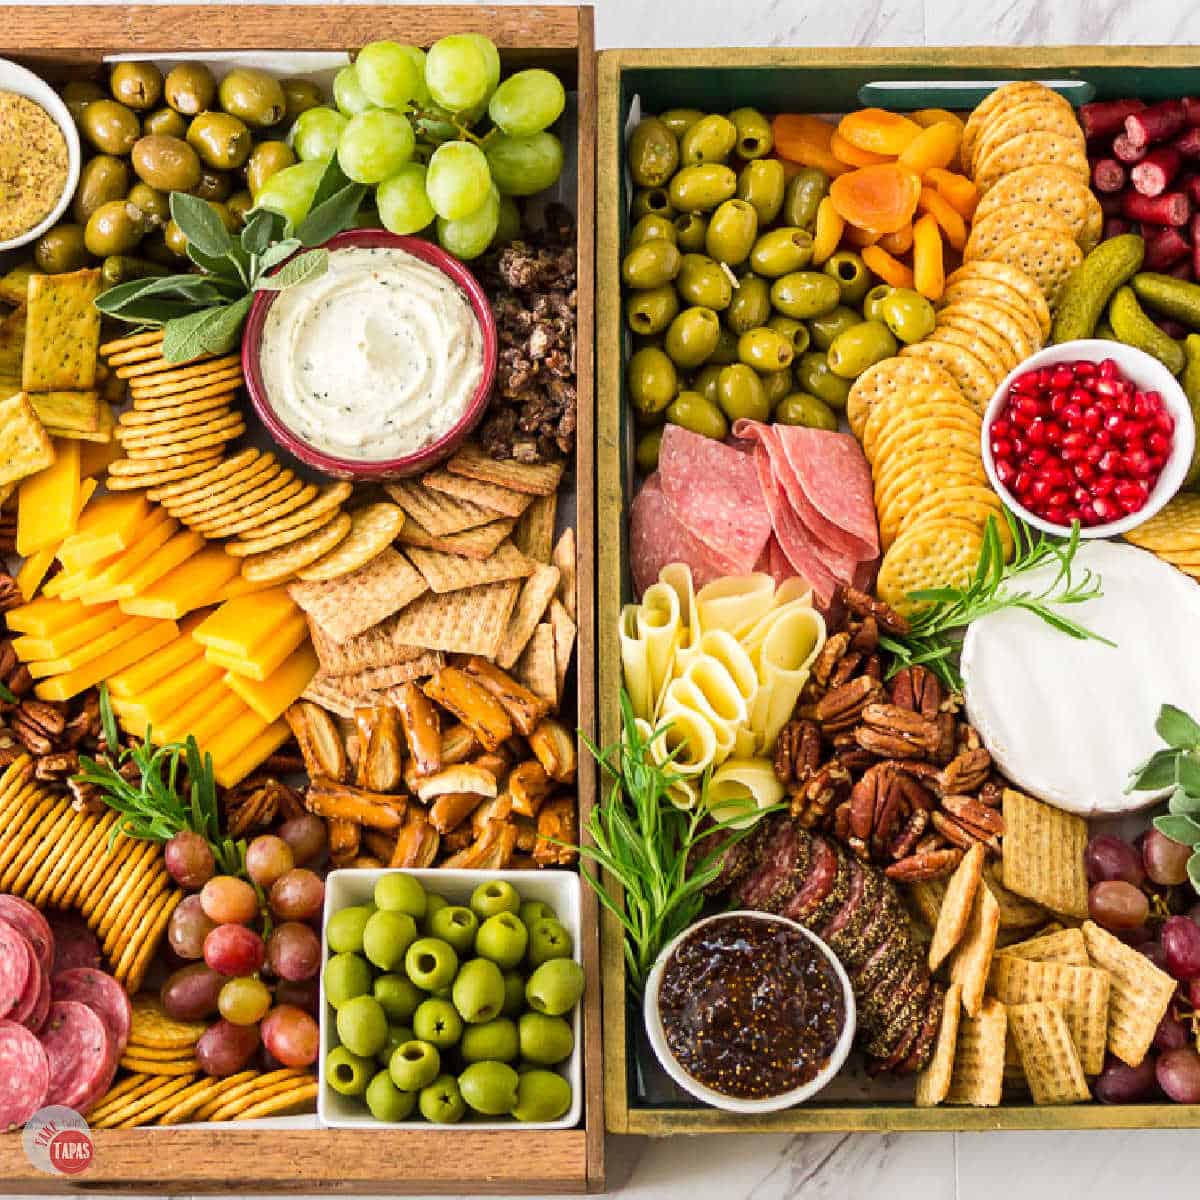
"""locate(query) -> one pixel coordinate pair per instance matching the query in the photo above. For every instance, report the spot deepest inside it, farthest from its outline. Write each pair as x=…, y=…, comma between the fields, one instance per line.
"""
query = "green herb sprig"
x=202, y=312
x=152, y=809
x=935, y=632
x=1178, y=768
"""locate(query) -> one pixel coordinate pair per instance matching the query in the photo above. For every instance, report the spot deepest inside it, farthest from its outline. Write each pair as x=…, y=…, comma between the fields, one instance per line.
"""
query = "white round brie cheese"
x=1067, y=720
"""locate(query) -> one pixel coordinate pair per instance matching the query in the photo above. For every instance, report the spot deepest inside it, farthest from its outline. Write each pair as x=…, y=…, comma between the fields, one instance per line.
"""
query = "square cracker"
x=535, y=480
x=1048, y=1055
x=1084, y=992
x=503, y=500
x=564, y=642
x=1063, y=946
x=536, y=667
x=377, y=646
x=25, y=447
x=1043, y=854
x=973, y=956
x=564, y=558
x=12, y=343
x=933, y=1083
x=534, y=534
x=470, y=621
x=453, y=572
x=480, y=542
x=954, y=915
x=536, y=594
x=343, y=693
x=1015, y=911
x=352, y=604
x=62, y=332
x=978, y=1075
x=1139, y=994
x=438, y=513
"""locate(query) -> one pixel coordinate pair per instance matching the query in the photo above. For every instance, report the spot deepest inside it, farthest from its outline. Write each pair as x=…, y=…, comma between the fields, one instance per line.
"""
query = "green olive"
x=680, y=120
x=701, y=187
x=653, y=153
x=61, y=249
x=102, y=178
x=705, y=381
x=651, y=310
x=859, y=347
x=872, y=305
x=805, y=191
x=776, y=384
x=299, y=95
x=190, y=88
x=651, y=264
x=703, y=281
x=851, y=274
x=651, y=200
x=692, y=337
x=827, y=326
x=740, y=393
x=754, y=135
x=154, y=247
x=690, y=231
x=761, y=184
x=805, y=294
x=121, y=268
x=702, y=416
x=653, y=380
x=765, y=350
x=795, y=331
x=731, y=232
x=813, y=375
x=166, y=163
x=240, y=203
x=726, y=349
x=252, y=96
x=165, y=121
x=649, y=227
x=908, y=314
x=138, y=85
x=781, y=251
x=222, y=141
x=803, y=408
x=709, y=140
x=214, y=185
x=78, y=94
x=114, y=228
x=646, y=453
x=155, y=206
x=750, y=306
x=265, y=160
x=110, y=127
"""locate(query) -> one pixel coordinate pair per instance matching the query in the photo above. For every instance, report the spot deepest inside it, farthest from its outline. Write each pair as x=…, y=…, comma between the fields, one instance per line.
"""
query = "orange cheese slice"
x=239, y=626
x=269, y=655
x=232, y=771
x=108, y=584
x=33, y=569
x=155, y=668
x=106, y=527
x=48, y=501
x=63, y=687
x=44, y=616
x=188, y=586
x=176, y=726
x=273, y=696
x=93, y=624
x=228, y=743
x=158, y=703
x=239, y=585
x=221, y=710
x=94, y=457
x=130, y=627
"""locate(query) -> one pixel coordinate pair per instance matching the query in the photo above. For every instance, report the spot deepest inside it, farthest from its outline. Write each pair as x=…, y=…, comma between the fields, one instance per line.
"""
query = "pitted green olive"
x=61, y=249
x=680, y=120
x=859, y=347
x=803, y=195
x=754, y=135
x=851, y=274
x=776, y=384
x=701, y=187
x=222, y=141
x=653, y=380
x=136, y=84
x=213, y=185
x=114, y=228
x=762, y=184
x=653, y=153
x=166, y=163
x=165, y=121
x=703, y=281
x=731, y=232
x=110, y=127
x=814, y=376
x=781, y=251
x=190, y=88
x=649, y=227
x=908, y=314
x=872, y=305
x=750, y=306
x=651, y=310
x=299, y=95
x=698, y=414
x=705, y=381
x=740, y=393
x=804, y=294
x=795, y=331
x=266, y=159
x=825, y=328
x=765, y=350
x=801, y=408
x=253, y=96
x=651, y=264
x=646, y=455
x=651, y=200
x=692, y=337
x=709, y=140
x=691, y=229
x=102, y=179
x=155, y=206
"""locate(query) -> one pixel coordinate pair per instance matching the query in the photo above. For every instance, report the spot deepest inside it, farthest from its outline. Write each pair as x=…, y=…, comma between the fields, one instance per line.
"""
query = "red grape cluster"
x=253, y=966
x=1123, y=877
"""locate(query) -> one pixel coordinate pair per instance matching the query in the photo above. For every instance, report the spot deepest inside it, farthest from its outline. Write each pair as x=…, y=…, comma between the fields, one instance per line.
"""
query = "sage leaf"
x=1187, y=773
x=155, y=310
x=222, y=267
x=222, y=335
x=331, y=216
x=1179, y=829
x=1177, y=729
x=333, y=180
x=301, y=269
x=7, y=695
x=199, y=223
x=1156, y=773
x=275, y=254
x=1183, y=803
x=259, y=231
x=168, y=287
x=213, y=331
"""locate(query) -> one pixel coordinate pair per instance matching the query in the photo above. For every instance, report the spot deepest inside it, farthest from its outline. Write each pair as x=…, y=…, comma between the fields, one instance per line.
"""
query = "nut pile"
x=889, y=768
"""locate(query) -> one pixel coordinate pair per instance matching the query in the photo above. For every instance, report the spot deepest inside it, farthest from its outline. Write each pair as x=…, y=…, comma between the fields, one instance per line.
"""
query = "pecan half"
x=919, y=868
x=828, y=658
x=842, y=708
x=917, y=689
x=893, y=732
x=969, y=811
x=966, y=772
x=863, y=605
x=797, y=751
x=10, y=594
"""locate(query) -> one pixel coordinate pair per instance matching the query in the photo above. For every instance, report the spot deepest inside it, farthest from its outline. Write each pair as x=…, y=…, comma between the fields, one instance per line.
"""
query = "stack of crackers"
x=57, y=856
x=1173, y=534
x=1040, y=1012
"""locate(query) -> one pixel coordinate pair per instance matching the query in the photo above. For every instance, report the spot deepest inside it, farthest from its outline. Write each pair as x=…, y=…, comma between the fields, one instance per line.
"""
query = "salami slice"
x=30, y=997
x=25, y=1072
x=714, y=492
x=75, y=945
x=16, y=961
x=103, y=995
x=778, y=566
x=21, y=914
x=41, y=1009
x=836, y=479
x=80, y=1053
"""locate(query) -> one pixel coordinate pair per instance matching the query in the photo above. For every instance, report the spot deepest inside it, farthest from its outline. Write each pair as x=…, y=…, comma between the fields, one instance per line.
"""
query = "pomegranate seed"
x=1001, y=428
x=1084, y=369
x=1084, y=472
x=1022, y=483
x=1104, y=486
x=1164, y=422
x=1109, y=369
x=1019, y=447
x=1062, y=377
x=1056, y=516
x=1001, y=447
x=1093, y=454
x=1038, y=456
x=1104, y=508
x=1039, y=491
x=1005, y=472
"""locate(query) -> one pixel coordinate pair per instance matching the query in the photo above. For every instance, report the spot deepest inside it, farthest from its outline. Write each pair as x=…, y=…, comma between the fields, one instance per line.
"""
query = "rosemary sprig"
x=152, y=809
x=935, y=632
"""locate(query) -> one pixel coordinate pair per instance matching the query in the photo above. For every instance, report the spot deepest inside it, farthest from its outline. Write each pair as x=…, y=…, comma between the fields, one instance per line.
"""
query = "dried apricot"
x=852, y=156
x=859, y=237
x=806, y=139
x=929, y=274
x=899, y=242
x=827, y=231
x=877, y=130
x=958, y=190
x=932, y=147
x=882, y=197
x=933, y=116
x=891, y=270
x=946, y=215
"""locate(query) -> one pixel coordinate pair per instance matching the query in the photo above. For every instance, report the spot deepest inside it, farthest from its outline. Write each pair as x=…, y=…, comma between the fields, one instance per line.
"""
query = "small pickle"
x=781, y=251
x=646, y=453
x=908, y=314
x=802, y=408
x=1092, y=284
x=650, y=200
x=653, y=153
x=795, y=331
x=805, y=191
x=859, y=347
x=651, y=264
x=1134, y=328
x=776, y=384
x=872, y=305
x=814, y=376
x=750, y=306
x=653, y=380
x=740, y=393
x=709, y=140
x=765, y=350
x=705, y=381
x=680, y=120
x=761, y=184
x=651, y=310
x=649, y=227
x=691, y=229
x=1191, y=388
x=703, y=281
x=1164, y=294
x=731, y=232
x=754, y=136
x=825, y=328
x=692, y=411
x=726, y=351
x=692, y=337
x=851, y=274
x=805, y=294
x=701, y=187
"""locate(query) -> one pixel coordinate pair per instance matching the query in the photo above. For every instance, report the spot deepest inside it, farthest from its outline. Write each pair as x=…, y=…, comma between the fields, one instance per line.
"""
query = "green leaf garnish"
x=1177, y=729
x=301, y=269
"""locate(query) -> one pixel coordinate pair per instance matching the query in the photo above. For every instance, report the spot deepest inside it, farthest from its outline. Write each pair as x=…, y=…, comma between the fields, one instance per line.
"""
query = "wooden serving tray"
x=64, y=42
x=822, y=81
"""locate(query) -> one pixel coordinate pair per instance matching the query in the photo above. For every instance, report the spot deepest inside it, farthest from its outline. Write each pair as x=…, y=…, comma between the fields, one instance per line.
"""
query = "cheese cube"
x=240, y=625
x=106, y=527
x=63, y=687
x=74, y=659
x=93, y=624
x=272, y=697
x=105, y=586
x=269, y=655
x=155, y=668
x=232, y=771
x=48, y=502
x=33, y=569
x=44, y=616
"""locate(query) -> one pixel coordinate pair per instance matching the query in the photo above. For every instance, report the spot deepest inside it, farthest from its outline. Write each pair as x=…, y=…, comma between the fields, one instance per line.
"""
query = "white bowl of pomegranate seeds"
x=1093, y=431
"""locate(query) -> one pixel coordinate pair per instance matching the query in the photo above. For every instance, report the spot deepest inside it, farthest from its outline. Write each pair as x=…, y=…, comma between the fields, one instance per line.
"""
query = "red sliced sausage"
x=28, y=920
x=25, y=1071
x=103, y=995
x=80, y=1054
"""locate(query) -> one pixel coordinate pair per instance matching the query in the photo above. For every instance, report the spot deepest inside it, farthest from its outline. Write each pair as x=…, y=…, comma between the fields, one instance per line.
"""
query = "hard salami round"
x=103, y=995
x=23, y=916
x=25, y=1070
x=80, y=1053
x=41, y=1008
x=75, y=945
x=25, y=1006
x=16, y=962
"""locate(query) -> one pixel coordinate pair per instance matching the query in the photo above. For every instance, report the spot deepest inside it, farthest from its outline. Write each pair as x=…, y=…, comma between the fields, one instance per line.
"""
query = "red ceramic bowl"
x=386, y=468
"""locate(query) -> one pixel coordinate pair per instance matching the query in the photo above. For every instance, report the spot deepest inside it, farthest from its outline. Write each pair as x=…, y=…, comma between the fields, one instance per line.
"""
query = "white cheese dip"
x=375, y=359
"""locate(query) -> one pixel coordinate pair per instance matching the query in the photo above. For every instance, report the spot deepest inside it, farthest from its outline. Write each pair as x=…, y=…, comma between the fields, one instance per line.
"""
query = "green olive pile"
x=445, y=1009
x=149, y=136
x=729, y=319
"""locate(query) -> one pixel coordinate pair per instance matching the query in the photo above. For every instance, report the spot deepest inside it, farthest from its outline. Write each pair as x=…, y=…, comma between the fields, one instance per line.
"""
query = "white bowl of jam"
x=749, y=1012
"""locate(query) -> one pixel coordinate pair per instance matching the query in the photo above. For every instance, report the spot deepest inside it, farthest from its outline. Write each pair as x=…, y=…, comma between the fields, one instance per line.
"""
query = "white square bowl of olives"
x=463, y=1009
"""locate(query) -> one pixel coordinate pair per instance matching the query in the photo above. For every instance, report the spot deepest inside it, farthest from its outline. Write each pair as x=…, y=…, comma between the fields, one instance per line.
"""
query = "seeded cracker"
x=473, y=491
x=438, y=513
x=978, y=1075
x=1013, y=278
x=536, y=594
x=1015, y=911
x=1043, y=854
x=954, y=915
x=1048, y=1056
x=536, y=480
x=452, y=572
x=62, y=332
x=472, y=621
x=933, y=1083
x=24, y=446
x=1063, y=946
x=971, y=376
x=377, y=646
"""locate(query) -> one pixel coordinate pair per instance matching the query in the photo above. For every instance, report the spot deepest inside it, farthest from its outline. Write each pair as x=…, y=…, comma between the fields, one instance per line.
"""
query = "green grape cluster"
x=445, y=143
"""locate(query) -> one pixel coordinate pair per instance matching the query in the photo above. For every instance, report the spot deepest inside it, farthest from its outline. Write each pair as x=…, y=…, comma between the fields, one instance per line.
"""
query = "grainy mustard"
x=33, y=164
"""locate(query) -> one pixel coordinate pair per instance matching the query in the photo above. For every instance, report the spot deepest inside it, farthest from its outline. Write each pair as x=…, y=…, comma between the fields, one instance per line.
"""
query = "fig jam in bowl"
x=749, y=1012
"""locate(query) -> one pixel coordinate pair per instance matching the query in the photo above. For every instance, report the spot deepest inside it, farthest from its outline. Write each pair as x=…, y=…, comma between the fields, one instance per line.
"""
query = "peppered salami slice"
x=16, y=963
x=23, y=916
x=836, y=479
x=24, y=1075
x=75, y=945
x=773, y=875
x=31, y=996
x=103, y=995
x=818, y=882
x=79, y=1050
x=41, y=1009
